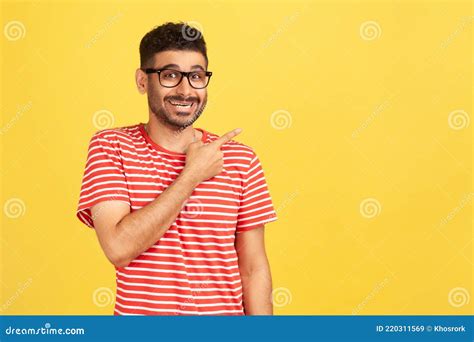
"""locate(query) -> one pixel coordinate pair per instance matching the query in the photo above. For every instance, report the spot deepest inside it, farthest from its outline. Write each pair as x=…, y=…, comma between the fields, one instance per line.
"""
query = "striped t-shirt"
x=192, y=269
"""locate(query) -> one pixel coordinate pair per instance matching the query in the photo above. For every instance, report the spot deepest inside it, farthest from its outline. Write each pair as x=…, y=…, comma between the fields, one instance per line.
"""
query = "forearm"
x=139, y=230
x=257, y=292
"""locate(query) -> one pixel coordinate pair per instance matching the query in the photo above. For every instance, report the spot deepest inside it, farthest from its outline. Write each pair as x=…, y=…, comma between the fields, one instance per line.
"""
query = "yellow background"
x=337, y=114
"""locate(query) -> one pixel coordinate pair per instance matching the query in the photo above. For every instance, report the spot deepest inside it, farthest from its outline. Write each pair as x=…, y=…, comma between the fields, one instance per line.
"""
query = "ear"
x=141, y=79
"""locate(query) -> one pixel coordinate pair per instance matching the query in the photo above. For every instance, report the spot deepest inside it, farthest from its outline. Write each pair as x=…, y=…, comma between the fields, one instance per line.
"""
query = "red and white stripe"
x=193, y=268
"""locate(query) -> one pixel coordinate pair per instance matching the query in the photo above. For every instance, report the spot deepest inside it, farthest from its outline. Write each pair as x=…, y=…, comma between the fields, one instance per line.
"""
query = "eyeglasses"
x=170, y=78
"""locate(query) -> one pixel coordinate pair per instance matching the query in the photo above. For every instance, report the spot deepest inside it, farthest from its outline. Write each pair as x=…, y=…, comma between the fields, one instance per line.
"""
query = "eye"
x=196, y=76
x=170, y=74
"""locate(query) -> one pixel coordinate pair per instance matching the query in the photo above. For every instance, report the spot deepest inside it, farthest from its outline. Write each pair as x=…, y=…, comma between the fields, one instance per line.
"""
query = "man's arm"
x=255, y=272
x=124, y=235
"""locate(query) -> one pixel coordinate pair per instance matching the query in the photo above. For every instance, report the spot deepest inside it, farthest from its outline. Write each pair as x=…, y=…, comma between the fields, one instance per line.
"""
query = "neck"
x=171, y=138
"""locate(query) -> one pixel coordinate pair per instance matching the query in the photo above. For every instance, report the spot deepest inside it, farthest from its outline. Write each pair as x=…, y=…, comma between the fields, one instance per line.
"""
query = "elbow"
x=117, y=256
x=116, y=248
x=120, y=262
x=118, y=252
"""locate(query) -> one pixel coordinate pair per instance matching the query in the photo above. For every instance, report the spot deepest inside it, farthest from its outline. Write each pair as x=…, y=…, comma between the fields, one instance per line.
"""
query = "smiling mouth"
x=179, y=104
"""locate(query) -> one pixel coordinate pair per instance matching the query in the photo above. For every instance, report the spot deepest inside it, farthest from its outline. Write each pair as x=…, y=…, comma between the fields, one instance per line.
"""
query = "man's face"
x=167, y=103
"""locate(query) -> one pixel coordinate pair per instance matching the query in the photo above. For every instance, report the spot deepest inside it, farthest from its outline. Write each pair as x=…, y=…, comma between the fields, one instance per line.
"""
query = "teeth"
x=181, y=104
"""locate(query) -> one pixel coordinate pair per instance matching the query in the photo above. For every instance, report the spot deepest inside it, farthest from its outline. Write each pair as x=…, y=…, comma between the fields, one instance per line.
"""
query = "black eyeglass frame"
x=182, y=73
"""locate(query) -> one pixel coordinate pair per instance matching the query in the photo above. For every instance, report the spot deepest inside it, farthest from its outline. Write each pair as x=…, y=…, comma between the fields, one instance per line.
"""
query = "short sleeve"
x=256, y=207
x=104, y=178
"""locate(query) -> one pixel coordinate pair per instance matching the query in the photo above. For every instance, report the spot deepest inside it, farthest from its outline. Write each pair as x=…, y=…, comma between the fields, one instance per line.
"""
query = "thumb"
x=193, y=145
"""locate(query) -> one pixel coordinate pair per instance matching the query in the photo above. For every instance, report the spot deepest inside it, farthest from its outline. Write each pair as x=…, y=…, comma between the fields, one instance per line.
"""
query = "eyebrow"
x=197, y=66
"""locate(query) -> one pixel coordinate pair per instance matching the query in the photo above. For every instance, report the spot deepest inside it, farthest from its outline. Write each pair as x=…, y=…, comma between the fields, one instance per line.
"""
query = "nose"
x=184, y=88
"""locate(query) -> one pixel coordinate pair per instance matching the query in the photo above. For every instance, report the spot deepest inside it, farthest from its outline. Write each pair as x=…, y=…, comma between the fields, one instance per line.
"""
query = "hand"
x=204, y=161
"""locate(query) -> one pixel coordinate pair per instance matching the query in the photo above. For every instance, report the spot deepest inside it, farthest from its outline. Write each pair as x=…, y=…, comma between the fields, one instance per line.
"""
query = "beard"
x=178, y=120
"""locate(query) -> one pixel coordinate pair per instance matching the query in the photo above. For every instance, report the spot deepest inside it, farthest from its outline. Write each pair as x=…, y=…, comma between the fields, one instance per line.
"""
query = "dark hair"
x=171, y=36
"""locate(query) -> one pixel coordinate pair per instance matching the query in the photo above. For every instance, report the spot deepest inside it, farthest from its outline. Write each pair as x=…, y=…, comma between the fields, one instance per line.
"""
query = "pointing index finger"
x=227, y=137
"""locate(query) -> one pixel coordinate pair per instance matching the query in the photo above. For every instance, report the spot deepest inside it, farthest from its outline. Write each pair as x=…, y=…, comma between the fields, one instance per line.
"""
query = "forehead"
x=185, y=59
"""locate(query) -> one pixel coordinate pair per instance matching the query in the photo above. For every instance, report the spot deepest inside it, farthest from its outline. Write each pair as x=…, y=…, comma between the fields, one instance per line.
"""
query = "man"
x=178, y=210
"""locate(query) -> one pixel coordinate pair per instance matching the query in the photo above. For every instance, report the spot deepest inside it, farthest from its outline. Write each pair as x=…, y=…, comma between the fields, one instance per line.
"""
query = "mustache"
x=182, y=99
